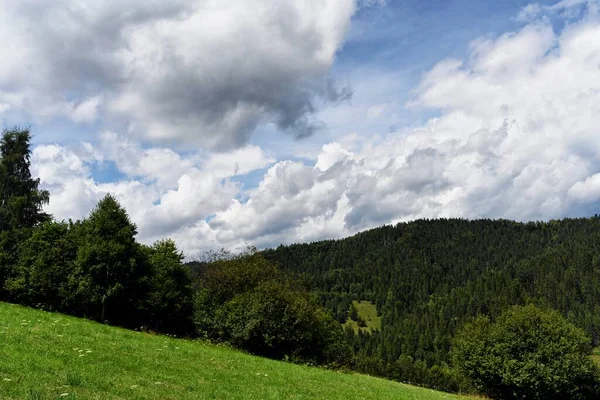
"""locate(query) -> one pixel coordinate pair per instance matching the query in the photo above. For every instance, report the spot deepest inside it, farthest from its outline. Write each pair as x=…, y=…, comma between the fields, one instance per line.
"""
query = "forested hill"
x=428, y=277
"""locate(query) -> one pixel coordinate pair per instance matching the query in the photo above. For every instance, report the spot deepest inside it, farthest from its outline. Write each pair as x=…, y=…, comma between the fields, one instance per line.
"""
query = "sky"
x=223, y=122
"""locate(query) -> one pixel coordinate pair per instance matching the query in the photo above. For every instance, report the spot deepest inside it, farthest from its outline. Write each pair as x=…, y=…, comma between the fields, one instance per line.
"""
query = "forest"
x=443, y=288
x=429, y=277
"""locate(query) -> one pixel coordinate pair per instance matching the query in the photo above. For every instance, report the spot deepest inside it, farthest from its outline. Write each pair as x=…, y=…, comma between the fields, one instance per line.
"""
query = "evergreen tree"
x=21, y=200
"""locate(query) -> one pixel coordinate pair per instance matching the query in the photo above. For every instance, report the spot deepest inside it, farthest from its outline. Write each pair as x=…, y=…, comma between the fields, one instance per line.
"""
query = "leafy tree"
x=169, y=303
x=220, y=280
x=46, y=259
x=272, y=320
x=111, y=272
x=21, y=200
x=246, y=301
x=527, y=353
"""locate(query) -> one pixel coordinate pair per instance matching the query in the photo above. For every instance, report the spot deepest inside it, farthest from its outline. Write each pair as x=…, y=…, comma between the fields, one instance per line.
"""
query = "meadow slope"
x=52, y=356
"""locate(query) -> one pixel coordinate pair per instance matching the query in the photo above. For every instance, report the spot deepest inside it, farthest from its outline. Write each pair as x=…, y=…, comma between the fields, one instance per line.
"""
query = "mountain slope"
x=51, y=356
x=428, y=277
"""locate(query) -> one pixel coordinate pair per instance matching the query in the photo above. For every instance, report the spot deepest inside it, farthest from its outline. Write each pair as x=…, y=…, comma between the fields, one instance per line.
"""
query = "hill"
x=426, y=278
x=51, y=356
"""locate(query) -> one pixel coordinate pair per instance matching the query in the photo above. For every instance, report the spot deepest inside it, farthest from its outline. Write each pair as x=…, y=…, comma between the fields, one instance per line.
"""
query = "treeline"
x=95, y=268
x=429, y=277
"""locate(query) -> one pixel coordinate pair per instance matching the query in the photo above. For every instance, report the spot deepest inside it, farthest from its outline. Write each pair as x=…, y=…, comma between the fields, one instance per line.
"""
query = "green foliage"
x=220, y=280
x=428, y=277
x=353, y=315
x=110, y=270
x=361, y=322
x=247, y=302
x=41, y=277
x=169, y=303
x=21, y=200
x=527, y=353
x=273, y=320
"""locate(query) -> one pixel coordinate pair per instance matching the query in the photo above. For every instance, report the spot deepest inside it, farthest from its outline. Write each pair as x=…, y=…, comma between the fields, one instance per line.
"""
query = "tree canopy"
x=527, y=353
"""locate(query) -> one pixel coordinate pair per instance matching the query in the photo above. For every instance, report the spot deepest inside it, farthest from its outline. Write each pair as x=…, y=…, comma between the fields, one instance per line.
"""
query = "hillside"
x=428, y=277
x=51, y=356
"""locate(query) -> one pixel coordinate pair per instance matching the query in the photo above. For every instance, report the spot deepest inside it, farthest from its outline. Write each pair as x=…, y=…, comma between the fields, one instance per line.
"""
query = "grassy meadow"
x=368, y=312
x=52, y=356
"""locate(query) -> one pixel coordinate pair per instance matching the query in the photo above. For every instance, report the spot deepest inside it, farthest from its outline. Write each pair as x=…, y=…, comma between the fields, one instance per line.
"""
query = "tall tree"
x=169, y=303
x=110, y=267
x=21, y=200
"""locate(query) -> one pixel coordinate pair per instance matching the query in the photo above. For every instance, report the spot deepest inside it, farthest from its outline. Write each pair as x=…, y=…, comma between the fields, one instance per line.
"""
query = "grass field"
x=596, y=355
x=368, y=312
x=51, y=356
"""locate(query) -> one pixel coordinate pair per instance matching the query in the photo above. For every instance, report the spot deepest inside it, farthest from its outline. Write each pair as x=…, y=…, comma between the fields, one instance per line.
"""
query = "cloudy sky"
x=218, y=122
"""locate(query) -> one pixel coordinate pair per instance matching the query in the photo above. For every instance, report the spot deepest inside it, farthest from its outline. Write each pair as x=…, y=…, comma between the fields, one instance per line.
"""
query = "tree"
x=273, y=321
x=246, y=301
x=353, y=312
x=169, y=303
x=224, y=278
x=21, y=200
x=111, y=272
x=41, y=276
x=526, y=353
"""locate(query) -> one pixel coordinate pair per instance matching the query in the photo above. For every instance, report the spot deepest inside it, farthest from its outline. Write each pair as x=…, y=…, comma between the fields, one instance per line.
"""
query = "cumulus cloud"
x=164, y=192
x=201, y=72
x=517, y=136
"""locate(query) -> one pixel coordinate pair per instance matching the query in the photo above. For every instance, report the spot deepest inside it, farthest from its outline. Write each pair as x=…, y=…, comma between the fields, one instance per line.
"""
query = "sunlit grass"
x=368, y=312
x=51, y=356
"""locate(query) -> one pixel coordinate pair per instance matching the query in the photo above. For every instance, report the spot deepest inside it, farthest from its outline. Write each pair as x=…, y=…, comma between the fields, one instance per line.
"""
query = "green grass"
x=51, y=356
x=596, y=355
x=368, y=312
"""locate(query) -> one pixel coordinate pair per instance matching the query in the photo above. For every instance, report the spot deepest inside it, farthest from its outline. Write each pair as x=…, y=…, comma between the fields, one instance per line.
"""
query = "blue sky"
x=217, y=123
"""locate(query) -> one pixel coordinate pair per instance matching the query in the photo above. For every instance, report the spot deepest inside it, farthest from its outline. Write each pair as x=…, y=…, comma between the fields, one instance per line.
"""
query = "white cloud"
x=569, y=8
x=201, y=72
x=517, y=136
x=165, y=193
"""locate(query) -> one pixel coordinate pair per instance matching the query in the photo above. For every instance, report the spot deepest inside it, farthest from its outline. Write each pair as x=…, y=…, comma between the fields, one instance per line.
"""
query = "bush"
x=274, y=321
x=248, y=302
x=526, y=353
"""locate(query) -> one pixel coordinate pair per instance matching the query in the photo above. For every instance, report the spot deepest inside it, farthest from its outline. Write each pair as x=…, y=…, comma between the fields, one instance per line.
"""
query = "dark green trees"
x=247, y=302
x=168, y=306
x=110, y=269
x=527, y=353
x=42, y=275
x=21, y=200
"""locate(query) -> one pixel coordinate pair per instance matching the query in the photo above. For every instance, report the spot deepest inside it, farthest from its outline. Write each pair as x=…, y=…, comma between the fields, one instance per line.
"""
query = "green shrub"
x=248, y=302
x=527, y=353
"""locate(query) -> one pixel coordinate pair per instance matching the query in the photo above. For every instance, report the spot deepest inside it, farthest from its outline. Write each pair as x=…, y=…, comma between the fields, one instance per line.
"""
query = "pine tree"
x=21, y=200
